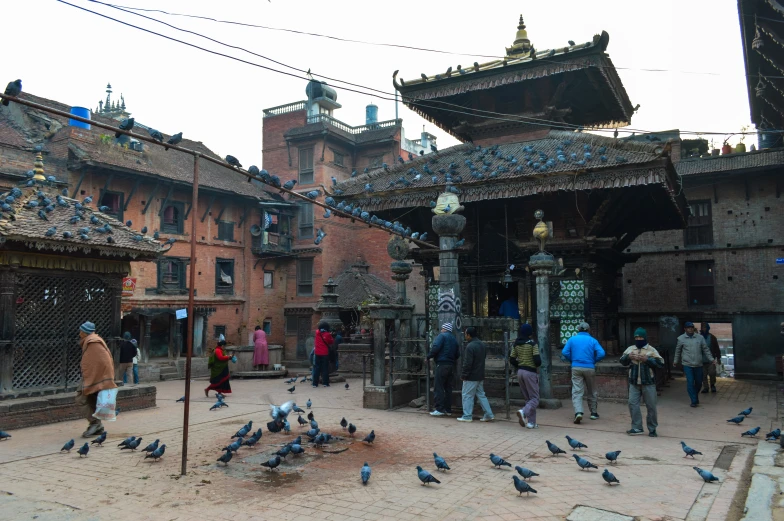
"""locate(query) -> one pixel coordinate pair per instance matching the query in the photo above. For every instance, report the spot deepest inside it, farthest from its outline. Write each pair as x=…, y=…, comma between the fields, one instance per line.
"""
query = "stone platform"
x=259, y=374
x=29, y=412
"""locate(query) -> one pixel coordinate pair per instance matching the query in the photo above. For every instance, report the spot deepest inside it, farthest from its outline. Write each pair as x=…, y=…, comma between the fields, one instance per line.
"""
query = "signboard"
x=181, y=313
x=779, y=261
x=128, y=286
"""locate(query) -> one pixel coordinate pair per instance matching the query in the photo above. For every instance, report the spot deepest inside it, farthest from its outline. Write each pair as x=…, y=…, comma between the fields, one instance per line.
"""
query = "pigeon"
x=575, y=444
x=746, y=412
x=4, y=435
x=226, y=458
x=272, y=463
x=774, y=434
x=234, y=447
x=308, y=404
x=526, y=473
x=312, y=433
x=152, y=446
x=343, y=423
x=609, y=477
x=157, y=453
x=84, y=449
x=174, y=140
x=423, y=236
x=751, y=432
x=370, y=437
x=100, y=439
x=314, y=424
x=289, y=185
x=705, y=475
x=219, y=396
x=250, y=442
x=346, y=386
x=292, y=389
x=583, y=463
x=498, y=461
x=126, y=124
x=68, y=446
x=440, y=462
x=218, y=405
x=736, y=420
x=233, y=161
x=310, y=416
x=365, y=473
x=312, y=194
x=156, y=235
x=126, y=441
x=301, y=421
x=460, y=243
x=51, y=231
x=284, y=451
x=554, y=448
x=425, y=477
x=181, y=399
x=522, y=486
x=14, y=88
x=351, y=429
x=133, y=445
x=612, y=456
x=689, y=451
x=296, y=448
x=286, y=426
x=157, y=136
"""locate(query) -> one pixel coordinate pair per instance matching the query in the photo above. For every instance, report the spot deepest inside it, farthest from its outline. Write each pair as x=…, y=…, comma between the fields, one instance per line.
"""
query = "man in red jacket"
x=323, y=341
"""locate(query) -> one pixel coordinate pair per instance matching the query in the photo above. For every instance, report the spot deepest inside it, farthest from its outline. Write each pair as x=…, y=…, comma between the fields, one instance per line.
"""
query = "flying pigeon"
x=157, y=453
x=746, y=412
x=751, y=432
x=609, y=477
x=499, y=461
x=181, y=399
x=583, y=463
x=736, y=420
x=226, y=458
x=351, y=429
x=612, y=456
x=554, y=448
x=440, y=462
x=233, y=161
x=289, y=185
x=68, y=446
x=132, y=444
x=689, y=451
x=343, y=423
x=272, y=463
x=157, y=136
x=575, y=444
x=125, y=124
x=705, y=475
x=152, y=446
x=100, y=439
x=522, y=486
x=370, y=437
x=425, y=477
x=84, y=449
x=14, y=88
x=365, y=473
x=174, y=140
x=292, y=389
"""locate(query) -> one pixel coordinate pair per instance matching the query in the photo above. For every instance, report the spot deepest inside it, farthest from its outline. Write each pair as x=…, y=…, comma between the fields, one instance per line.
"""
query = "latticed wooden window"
x=305, y=277
x=700, y=225
x=305, y=166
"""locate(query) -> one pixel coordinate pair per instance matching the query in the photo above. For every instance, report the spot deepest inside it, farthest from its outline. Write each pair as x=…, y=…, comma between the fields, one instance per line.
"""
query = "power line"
x=414, y=101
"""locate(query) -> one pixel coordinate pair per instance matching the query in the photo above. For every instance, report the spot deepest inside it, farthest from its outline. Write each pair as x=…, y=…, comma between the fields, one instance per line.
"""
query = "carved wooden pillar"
x=7, y=322
x=146, y=339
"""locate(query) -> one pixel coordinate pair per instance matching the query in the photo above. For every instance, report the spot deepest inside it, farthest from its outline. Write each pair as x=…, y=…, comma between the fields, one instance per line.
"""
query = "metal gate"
x=49, y=309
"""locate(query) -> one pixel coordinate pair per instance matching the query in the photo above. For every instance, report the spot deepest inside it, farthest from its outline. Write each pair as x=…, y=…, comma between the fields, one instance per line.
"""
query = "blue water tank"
x=82, y=113
x=371, y=114
x=769, y=138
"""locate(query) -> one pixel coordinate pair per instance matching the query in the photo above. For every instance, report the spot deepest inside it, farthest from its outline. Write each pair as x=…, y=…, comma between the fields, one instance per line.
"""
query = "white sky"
x=218, y=101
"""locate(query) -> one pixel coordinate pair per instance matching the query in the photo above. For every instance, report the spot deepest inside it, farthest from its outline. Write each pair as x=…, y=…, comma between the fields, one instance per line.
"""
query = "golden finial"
x=522, y=45
x=541, y=232
x=38, y=167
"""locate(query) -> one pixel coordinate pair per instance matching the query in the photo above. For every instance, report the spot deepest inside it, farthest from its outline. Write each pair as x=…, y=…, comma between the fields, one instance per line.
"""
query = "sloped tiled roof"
x=23, y=224
x=506, y=171
x=354, y=287
x=768, y=158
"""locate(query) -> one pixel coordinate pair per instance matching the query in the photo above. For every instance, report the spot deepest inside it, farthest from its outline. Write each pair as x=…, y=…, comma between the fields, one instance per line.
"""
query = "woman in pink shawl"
x=260, y=351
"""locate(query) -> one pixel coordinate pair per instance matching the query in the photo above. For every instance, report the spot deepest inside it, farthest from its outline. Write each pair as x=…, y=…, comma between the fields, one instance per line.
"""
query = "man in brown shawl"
x=97, y=375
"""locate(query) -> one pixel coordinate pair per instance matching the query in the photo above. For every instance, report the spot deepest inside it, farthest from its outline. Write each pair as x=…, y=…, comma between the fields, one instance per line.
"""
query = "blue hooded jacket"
x=582, y=350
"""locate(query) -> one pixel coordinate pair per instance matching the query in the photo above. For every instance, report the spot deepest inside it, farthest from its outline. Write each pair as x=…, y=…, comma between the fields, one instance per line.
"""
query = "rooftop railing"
x=285, y=109
x=318, y=118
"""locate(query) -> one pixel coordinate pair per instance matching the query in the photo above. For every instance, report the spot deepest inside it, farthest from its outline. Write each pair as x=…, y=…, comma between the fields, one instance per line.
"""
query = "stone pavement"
x=657, y=482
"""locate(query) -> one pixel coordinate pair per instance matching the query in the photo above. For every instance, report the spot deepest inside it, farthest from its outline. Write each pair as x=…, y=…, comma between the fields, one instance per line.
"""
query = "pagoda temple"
x=537, y=132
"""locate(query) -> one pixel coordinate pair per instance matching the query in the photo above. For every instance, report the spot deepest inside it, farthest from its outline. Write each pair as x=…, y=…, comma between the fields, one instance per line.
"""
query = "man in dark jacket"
x=473, y=376
x=709, y=369
x=445, y=352
x=127, y=353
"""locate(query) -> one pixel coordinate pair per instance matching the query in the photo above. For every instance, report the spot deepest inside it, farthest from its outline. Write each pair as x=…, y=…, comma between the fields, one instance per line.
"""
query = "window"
x=267, y=327
x=225, y=231
x=375, y=161
x=268, y=278
x=305, y=277
x=305, y=166
x=114, y=201
x=171, y=274
x=291, y=325
x=172, y=218
x=700, y=276
x=699, y=230
x=305, y=221
x=220, y=330
x=337, y=158
x=224, y=276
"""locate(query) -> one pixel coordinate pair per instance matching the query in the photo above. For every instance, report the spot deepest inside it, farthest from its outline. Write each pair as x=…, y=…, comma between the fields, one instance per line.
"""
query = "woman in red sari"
x=219, y=369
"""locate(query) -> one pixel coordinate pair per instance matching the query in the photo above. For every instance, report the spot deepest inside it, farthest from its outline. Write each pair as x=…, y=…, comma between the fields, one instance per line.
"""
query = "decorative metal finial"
x=541, y=232
x=521, y=25
x=38, y=167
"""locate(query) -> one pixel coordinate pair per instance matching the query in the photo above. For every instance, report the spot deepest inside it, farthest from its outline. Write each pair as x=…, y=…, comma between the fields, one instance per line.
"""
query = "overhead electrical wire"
x=406, y=99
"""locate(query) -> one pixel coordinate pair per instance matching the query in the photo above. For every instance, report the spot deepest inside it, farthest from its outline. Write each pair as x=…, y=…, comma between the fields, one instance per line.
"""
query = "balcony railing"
x=271, y=243
x=318, y=118
x=285, y=109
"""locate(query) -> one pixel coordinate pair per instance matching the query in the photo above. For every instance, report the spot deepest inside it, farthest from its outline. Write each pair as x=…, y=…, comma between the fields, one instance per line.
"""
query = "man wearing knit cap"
x=583, y=351
x=526, y=359
x=97, y=374
x=709, y=369
x=691, y=352
x=642, y=359
x=445, y=351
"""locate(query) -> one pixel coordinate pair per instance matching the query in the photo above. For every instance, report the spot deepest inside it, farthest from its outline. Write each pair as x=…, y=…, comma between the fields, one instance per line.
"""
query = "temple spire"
x=521, y=47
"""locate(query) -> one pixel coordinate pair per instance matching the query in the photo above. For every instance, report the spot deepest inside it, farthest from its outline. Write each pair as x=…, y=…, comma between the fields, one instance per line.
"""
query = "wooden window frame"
x=218, y=330
x=119, y=213
x=222, y=227
x=305, y=228
x=699, y=229
x=220, y=287
x=302, y=282
x=178, y=227
x=306, y=167
x=271, y=277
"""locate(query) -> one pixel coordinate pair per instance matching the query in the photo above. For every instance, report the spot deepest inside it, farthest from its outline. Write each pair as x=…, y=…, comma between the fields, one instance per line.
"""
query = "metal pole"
x=427, y=383
x=506, y=371
x=191, y=317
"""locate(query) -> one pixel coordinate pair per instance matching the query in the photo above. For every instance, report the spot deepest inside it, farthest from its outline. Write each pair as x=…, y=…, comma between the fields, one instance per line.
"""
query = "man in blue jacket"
x=583, y=351
x=445, y=351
